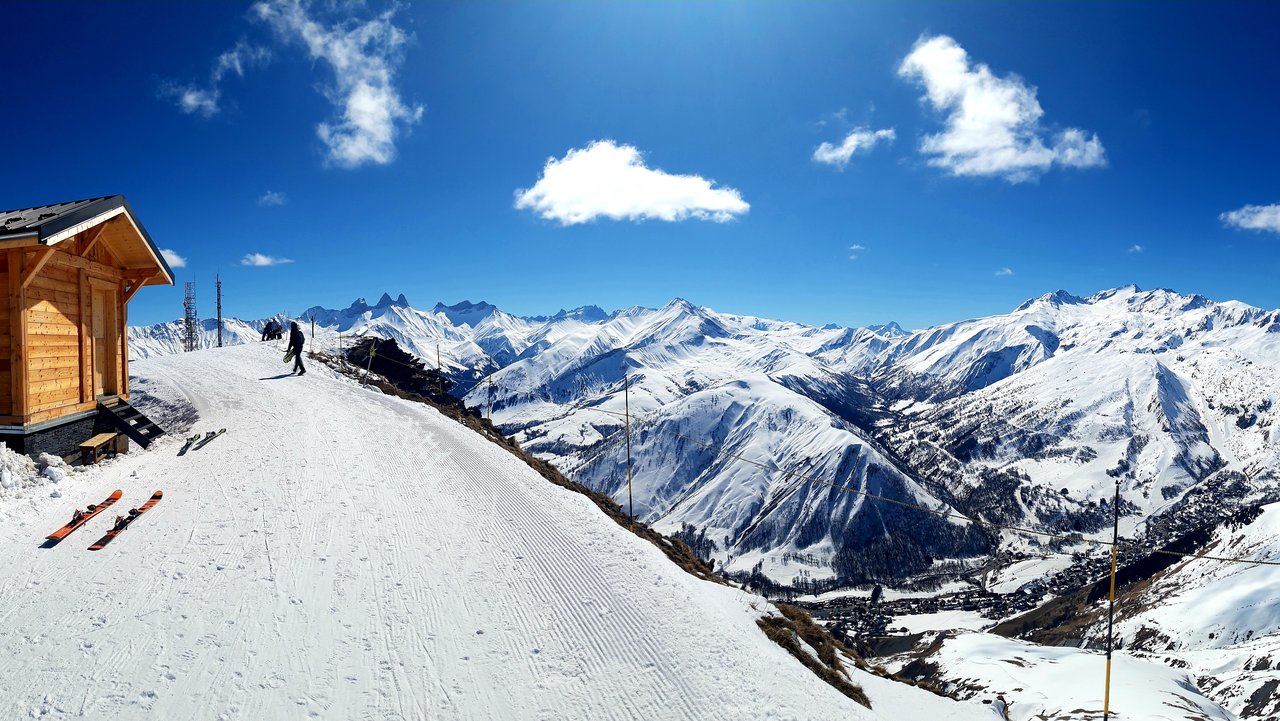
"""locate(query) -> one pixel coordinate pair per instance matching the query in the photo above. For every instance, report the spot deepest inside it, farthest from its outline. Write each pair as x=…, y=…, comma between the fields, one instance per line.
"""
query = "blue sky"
x=1033, y=146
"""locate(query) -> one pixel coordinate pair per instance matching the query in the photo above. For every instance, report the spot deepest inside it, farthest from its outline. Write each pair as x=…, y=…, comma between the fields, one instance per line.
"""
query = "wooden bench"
x=92, y=449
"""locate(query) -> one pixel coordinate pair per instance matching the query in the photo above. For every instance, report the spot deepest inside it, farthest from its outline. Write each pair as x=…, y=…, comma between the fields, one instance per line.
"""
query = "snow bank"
x=1067, y=683
x=21, y=477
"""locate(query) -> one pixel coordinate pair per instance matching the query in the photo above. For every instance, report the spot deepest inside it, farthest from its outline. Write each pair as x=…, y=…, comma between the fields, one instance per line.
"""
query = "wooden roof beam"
x=92, y=238
x=29, y=273
x=137, y=286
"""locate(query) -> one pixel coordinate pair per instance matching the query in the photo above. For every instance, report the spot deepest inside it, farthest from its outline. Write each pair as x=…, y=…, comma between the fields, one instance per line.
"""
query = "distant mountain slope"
x=168, y=338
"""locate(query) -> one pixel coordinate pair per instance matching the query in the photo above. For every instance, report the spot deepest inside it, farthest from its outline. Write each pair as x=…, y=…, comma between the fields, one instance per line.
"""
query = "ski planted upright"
x=89, y=513
x=124, y=521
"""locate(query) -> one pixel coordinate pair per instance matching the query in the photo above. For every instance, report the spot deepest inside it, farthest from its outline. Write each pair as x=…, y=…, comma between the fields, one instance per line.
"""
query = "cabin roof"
x=51, y=224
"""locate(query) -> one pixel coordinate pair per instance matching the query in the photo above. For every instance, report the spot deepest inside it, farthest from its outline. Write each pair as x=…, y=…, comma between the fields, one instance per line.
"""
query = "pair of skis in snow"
x=122, y=522
x=200, y=440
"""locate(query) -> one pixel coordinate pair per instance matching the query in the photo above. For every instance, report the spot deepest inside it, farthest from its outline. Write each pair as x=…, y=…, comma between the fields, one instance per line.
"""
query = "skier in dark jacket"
x=269, y=330
x=296, y=342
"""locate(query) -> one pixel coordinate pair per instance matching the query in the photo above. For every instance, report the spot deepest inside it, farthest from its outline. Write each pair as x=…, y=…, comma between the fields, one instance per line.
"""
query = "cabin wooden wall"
x=6, y=343
x=53, y=340
x=57, y=350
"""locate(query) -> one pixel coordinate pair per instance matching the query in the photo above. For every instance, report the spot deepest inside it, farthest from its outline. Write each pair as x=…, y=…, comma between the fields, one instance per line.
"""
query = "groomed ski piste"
x=343, y=554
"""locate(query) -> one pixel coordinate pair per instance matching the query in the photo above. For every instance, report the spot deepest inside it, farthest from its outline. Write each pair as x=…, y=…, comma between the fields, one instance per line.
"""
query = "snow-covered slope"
x=343, y=554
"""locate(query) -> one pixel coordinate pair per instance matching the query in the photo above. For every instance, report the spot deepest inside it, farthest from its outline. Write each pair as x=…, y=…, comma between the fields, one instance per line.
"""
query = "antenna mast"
x=218, y=283
x=190, y=320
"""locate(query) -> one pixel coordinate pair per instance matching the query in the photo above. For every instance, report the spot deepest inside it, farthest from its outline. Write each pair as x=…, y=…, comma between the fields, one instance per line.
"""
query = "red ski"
x=82, y=517
x=122, y=522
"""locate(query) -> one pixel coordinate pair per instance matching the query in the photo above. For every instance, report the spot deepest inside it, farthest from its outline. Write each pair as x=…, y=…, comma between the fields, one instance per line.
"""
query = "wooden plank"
x=60, y=411
x=58, y=373
x=51, y=318
x=51, y=385
x=85, y=294
x=54, y=284
x=18, y=336
x=65, y=341
x=53, y=329
x=56, y=297
x=58, y=269
x=40, y=340
x=66, y=404
x=66, y=263
x=34, y=364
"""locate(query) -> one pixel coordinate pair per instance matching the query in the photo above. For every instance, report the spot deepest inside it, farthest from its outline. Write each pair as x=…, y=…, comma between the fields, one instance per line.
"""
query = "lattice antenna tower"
x=218, y=282
x=190, y=321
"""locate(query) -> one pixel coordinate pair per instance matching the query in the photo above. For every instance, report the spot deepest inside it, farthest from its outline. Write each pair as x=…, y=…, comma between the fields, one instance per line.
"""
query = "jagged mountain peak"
x=891, y=328
x=386, y=301
x=1057, y=298
x=679, y=303
x=465, y=312
x=584, y=313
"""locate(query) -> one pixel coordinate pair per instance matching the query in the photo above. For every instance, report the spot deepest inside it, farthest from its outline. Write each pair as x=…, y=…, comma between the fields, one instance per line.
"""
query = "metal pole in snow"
x=313, y=335
x=373, y=351
x=626, y=407
x=1111, y=601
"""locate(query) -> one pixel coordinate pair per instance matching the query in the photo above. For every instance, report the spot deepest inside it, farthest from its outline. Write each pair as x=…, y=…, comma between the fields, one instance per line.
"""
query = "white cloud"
x=1136, y=248
x=1003, y=272
x=272, y=198
x=364, y=57
x=859, y=139
x=855, y=249
x=206, y=100
x=173, y=259
x=609, y=180
x=1254, y=217
x=993, y=124
x=258, y=260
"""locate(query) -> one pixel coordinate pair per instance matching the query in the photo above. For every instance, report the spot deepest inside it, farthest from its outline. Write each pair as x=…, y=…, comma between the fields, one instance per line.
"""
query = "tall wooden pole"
x=626, y=407
x=1111, y=600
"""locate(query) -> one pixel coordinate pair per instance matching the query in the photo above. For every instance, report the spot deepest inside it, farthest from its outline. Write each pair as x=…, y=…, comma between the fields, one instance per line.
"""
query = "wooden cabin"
x=70, y=271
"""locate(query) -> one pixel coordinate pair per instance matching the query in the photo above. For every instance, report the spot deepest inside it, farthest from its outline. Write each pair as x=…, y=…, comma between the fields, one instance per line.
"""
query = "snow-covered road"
x=340, y=554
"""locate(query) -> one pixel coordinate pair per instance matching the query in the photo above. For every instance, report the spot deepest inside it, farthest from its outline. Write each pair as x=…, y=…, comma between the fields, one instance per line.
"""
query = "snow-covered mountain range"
x=761, y=438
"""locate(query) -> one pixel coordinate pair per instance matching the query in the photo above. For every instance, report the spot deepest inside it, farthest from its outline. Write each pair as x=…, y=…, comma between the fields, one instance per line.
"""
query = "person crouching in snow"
x=295, y=345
